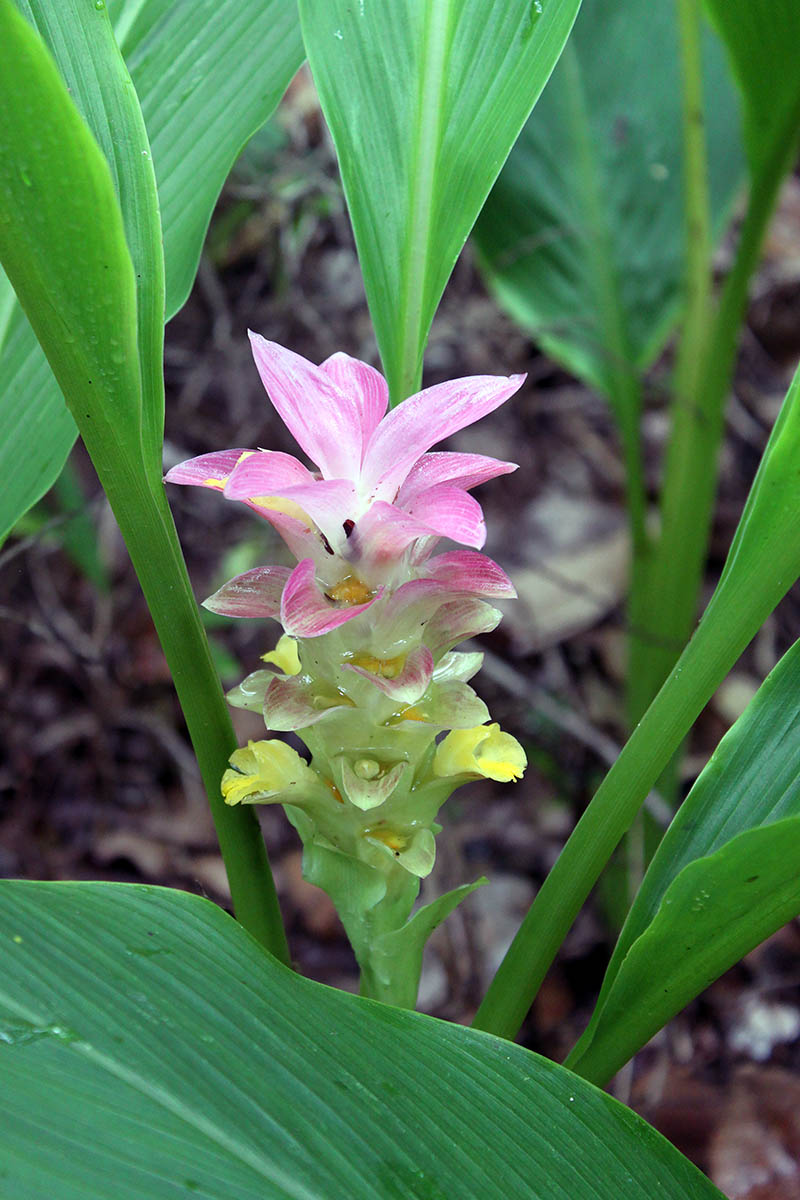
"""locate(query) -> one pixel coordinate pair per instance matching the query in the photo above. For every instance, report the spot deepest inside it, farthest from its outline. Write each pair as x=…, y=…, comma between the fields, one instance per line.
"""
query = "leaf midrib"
x=179, y=1108
x=435, y=52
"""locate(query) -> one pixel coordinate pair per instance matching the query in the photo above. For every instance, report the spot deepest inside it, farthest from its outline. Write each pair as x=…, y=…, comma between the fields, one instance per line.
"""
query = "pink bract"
x=378, y=501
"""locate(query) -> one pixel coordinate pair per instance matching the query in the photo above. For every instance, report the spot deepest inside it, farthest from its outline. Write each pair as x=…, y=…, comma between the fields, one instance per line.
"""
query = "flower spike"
x=365, y=671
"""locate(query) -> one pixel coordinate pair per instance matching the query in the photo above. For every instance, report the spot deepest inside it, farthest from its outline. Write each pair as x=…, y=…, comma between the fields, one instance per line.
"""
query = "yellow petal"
x=284, y=656
x=484, y=750
x=262, y=770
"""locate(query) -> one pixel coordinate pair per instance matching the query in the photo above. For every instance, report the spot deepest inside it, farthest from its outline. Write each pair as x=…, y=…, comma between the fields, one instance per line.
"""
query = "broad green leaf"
x=762, y=37
x=583, y=237
x=207, y=74
x=149, y=1048
x=7, y=304
x=79, y=36
x=78, y=534
x=36, y=429
x=57, y=194
x=133, y=20
x=714, y=912
x=424, y=101
x=751, y=780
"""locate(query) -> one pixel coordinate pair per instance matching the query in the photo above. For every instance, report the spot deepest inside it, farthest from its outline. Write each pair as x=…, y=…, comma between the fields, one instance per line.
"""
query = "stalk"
x=148, y=529
x=702, y=667
x=689, y=490
x=655, y=644
x=763, y=563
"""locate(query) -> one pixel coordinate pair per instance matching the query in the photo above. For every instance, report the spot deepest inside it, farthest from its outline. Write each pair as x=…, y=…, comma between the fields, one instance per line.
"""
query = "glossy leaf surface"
x=751, y=781
x=763, y=563
x=207, y=75
x=54, y=178
x=582, y=239
x=150, y=1048
x=424, y=101
x=80, y=38
x=715, y=911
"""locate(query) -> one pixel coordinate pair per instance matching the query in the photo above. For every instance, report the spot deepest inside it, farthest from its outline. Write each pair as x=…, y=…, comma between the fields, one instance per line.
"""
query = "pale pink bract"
x=369, y=517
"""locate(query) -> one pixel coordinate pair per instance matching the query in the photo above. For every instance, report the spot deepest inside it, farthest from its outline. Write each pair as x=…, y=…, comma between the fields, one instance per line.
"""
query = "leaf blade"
x=302, y=1091
x=549, y=245
x=176, y=125
x=751, y=781
x=424, y=103
x=193, y=66
x=761, y=38
x=714, y=912
x=87, y=319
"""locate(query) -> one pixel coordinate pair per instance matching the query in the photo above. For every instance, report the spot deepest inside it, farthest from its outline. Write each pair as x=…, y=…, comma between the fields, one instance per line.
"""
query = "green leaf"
x=424, y=101
x=194, y=66
x=752, y=780
x=583, y=237
x=79, y=36
x=763, y=563
x=762, y=37
x=78, y=533
x=37, y=432
x=7, y=305
x=57, y=193
x=63, y=245
x=208, y=75
x=150, y=1048
x=36, y=429
x=715, y=911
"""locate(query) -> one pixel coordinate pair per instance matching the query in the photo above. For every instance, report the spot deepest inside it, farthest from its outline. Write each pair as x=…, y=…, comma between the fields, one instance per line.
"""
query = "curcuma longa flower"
x=366, y=672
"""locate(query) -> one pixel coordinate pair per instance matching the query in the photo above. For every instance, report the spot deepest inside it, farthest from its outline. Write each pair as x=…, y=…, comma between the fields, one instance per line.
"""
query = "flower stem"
x=146, y=524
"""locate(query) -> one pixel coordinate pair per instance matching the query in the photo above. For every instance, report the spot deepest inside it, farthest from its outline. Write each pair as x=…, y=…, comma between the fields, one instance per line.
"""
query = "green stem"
x=705, y=662
x=621, y=382
x=763, y=563
x=650, y=638
x=690, y=481
x=146, y=524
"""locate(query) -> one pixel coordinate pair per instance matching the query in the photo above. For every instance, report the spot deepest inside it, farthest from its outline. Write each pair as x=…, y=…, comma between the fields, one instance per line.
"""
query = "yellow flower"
x=263, y=770
x=284, y=656
x=484, y=750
